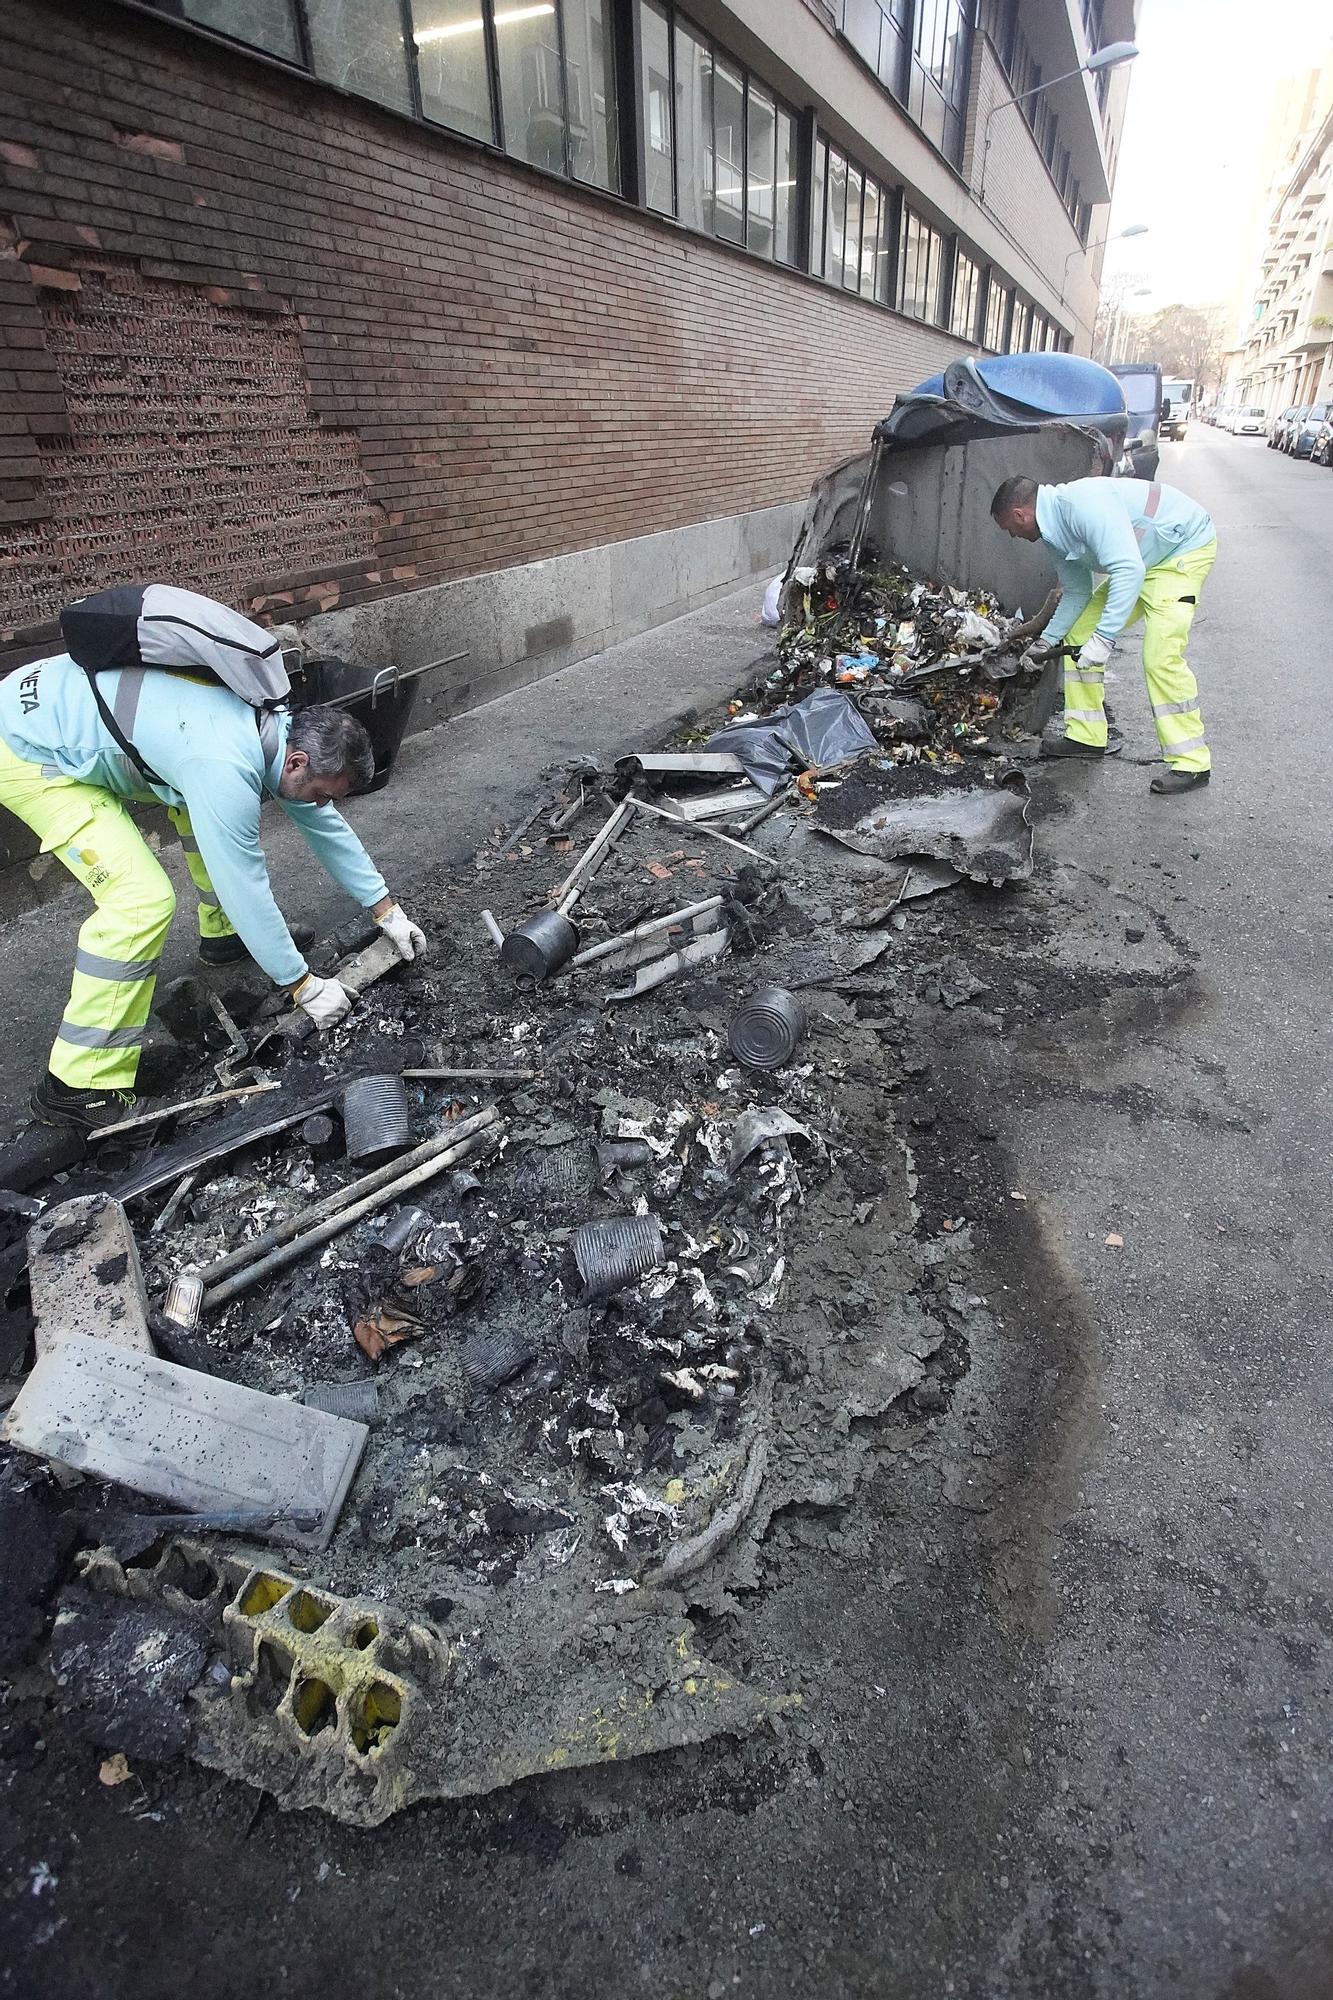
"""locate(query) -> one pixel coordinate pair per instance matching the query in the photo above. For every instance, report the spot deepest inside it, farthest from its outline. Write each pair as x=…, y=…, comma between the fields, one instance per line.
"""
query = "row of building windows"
x=999, y=20
x=721, y=152
x=866, y=238
x=921, y=51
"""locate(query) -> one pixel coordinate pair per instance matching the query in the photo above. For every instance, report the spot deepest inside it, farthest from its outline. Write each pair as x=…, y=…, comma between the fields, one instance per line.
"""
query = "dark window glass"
x=694, y=97
x=920, y=268
x=1020, y=335
x=997, y=314
x=655, y=101
x=761, y=133
x=786, y=207
x=819, y=228
x=966, y=284
x=851, y=242
x=451, y=63
x=266, y=24
x=836, y=226
x=590, y=92
x=728, y=96
x=872, y=233
x=937, y=93
x=862, y=23
x=532, y=87
x=358, y=44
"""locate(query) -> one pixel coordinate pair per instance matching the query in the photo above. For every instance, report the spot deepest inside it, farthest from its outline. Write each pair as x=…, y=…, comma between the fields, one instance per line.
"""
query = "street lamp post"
x=1110, y=57
x=1086, y=249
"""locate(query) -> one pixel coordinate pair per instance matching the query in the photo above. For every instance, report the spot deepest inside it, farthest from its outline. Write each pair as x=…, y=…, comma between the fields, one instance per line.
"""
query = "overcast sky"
x=1199, y=98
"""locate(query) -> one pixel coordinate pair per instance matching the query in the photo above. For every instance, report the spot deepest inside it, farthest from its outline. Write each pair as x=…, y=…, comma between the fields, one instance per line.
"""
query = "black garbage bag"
x=824, y=729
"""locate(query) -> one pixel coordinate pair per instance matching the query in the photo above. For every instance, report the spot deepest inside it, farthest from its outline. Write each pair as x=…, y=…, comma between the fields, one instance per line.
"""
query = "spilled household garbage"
x=471, y=1358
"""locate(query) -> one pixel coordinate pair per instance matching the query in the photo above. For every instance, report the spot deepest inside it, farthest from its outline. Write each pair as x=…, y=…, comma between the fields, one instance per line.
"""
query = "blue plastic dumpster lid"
x=1049, y=385
x=1008, y=392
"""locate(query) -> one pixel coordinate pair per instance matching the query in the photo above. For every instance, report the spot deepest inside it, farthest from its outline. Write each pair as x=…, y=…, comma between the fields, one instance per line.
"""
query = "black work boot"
x=57, y=1103
x=1179, y=781
x=1064, y=746
x=228, y=950
x=231, y=949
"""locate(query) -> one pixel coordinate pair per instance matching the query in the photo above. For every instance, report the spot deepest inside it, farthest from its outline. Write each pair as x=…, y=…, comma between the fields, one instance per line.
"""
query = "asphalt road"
x=1067, y=1718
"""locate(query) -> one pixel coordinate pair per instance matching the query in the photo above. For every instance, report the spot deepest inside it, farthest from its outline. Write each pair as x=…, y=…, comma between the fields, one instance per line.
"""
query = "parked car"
x=1251, y=421
x=1301, y=431
x=1322, y=450
x=1279, y=424
x=1141, y=385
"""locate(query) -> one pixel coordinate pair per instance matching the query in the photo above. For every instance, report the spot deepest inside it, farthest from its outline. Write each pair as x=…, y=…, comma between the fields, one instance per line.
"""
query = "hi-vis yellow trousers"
x=115, y=966
x=1166, y=605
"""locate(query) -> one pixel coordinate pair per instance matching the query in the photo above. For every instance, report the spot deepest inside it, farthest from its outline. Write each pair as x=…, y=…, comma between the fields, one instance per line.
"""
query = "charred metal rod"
x=189, y=1104
x=369, y=1184
x=474, y=1075
x=765, y=811
x=173, y=1201
x=697, y=826
x=334, y=1225
x=231, y=1520
x=567, y=894
x=609, y=945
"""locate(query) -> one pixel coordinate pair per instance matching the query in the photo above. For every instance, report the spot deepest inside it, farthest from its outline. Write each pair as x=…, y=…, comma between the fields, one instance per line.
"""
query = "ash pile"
x=428, y=1406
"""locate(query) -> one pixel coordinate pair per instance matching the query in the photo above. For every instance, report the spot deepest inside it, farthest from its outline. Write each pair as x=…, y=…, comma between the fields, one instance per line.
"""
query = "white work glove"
x=324, y=1000
x=1095, y=652
x=1037, y=653
x=406, y=937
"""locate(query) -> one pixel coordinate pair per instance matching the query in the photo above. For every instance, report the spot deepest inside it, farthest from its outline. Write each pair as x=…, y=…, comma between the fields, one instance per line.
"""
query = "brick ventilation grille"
x=193, y=456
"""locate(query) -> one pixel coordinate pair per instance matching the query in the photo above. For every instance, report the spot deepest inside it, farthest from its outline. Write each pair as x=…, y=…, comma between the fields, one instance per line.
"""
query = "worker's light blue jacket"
x=204, y=743
x=1107, y=525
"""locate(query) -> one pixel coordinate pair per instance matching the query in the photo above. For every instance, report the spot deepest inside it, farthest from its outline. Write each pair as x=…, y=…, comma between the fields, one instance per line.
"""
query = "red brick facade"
x=263, y=339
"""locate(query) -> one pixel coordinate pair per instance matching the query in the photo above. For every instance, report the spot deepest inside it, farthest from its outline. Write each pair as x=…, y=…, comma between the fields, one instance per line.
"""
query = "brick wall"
x=455, y=364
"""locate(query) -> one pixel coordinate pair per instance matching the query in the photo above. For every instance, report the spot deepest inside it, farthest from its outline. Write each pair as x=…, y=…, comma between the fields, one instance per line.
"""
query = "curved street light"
x=1086, y=249
x=1110, y=57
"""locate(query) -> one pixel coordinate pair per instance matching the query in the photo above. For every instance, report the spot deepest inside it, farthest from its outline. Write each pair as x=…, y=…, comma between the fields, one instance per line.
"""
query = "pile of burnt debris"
x=509, y=1313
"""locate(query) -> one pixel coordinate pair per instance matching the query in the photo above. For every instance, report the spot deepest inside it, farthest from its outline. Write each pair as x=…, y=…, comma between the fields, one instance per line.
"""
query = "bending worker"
x=213, y=758
x=1155, y=546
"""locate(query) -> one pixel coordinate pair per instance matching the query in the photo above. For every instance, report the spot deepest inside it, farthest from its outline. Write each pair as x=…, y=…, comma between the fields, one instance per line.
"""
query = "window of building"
x=359, y=45
x=851, y=225
x=450, y=42
x=657, y=103
x=721, y=148
x=996, y=18
x=1020, y=332
x=937, y=89
x=920, y=268
x=265, y=24
x=557, y=90
x=881, y=33
x=966, y=297
x=999, y=300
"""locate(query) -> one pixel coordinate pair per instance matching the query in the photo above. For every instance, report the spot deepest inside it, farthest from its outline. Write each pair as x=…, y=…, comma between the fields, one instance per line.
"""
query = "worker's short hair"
x=335, y=743
x=1020, y=491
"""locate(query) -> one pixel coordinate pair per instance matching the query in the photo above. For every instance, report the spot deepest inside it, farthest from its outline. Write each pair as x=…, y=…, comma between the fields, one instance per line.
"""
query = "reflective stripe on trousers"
x=115, y=967
x=1166, y=604
x=213, y=920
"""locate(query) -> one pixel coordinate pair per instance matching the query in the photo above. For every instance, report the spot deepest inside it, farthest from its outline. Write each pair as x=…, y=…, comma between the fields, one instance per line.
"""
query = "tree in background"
x=1188, y=341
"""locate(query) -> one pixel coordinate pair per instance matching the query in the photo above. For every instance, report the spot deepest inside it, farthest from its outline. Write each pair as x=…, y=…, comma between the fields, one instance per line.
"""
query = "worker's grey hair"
x=1019, y=491
x=335, y=743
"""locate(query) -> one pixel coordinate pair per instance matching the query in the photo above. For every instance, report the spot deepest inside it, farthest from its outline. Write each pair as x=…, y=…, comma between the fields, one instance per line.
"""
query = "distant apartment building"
x=505, y=326
x=1283, y=353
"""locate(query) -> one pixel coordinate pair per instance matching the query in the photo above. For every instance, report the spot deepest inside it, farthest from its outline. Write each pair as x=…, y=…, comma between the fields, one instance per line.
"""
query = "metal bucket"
x=539, y=946
x=613, y=1254
x=764, y=1031
x=376, y=1118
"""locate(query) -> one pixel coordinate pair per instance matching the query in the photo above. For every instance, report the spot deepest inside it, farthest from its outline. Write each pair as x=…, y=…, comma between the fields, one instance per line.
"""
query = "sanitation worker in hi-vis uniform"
x=1155, y=547
x=79, y=738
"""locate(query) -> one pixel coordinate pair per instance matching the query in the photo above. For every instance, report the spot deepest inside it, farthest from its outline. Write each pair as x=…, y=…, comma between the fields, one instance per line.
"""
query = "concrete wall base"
x=518, y=625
